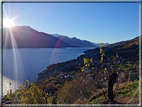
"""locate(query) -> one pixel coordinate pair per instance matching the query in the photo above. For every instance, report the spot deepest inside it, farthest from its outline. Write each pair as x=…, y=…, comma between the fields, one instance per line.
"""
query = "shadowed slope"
x=26, y=37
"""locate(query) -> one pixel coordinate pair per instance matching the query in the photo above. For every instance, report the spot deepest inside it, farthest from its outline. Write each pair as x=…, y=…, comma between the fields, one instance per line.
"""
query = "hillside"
x=127, y=93
x=127, y=49
x=26, y=37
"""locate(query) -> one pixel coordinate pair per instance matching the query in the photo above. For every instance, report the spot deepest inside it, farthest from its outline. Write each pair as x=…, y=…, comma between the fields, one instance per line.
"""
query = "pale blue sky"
x=95, y=22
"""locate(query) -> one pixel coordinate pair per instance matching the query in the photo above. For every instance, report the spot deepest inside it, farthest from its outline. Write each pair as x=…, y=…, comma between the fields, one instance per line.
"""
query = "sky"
x=95, y=22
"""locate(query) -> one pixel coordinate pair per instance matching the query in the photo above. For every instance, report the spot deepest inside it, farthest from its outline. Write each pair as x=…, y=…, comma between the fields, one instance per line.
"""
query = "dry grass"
x=127, y=100
x=85, y=101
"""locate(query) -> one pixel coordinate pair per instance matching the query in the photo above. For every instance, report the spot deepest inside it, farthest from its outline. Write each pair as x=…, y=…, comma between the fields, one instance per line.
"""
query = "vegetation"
x=131, y=89
x=126, y=90
x=97, y=100
x=29, y=95
x=80, y=88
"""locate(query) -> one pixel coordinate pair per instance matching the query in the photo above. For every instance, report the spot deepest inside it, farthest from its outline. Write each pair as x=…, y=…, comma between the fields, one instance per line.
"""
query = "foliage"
x=87, y=63
x=79, y=88
x=102, y=52
x=29, y=95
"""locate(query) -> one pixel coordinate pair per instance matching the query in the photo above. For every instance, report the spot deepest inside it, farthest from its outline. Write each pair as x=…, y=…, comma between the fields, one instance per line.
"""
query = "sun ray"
x=4, y=11
x=16, y=17
x=18, y=67
x=9, y=22
x=5, y=39
x=17, y=64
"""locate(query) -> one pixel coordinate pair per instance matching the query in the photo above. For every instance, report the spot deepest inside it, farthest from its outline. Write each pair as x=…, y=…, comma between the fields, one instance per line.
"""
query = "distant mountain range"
x=75, y=41
x=26, y=37
x=98, y=44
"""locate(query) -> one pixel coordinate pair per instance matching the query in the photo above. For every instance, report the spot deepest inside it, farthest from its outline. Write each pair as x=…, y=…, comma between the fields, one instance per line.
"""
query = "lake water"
x=26, y=63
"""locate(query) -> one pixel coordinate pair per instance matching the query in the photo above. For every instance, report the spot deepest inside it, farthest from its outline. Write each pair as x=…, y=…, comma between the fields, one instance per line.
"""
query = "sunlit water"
x=22, y=64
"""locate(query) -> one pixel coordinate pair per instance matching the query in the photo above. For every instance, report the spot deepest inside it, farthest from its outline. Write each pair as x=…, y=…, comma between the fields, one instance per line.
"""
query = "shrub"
x=29, y=95
x=79, y=88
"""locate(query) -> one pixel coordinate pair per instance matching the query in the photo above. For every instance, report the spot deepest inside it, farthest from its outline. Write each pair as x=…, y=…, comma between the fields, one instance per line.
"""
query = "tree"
x=112, y=78
x=113, y=72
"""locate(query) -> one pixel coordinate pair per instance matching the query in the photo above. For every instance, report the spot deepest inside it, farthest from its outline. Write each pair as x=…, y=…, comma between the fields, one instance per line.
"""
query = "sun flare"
x=8, y=23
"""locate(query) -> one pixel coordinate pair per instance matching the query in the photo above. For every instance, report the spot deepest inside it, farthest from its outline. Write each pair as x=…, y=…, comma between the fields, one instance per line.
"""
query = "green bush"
x=29, y=95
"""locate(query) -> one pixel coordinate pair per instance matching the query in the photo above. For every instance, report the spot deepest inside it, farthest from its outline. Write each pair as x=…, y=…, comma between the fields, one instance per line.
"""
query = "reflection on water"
x=7, y=87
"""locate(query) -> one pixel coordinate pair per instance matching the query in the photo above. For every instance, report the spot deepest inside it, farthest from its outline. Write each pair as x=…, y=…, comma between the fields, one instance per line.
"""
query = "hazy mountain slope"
x=98, y=44
x=75, y=41
x=26, y=37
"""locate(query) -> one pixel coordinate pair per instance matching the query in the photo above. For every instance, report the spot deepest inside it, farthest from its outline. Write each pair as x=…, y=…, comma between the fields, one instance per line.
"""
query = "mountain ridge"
x=27, y=37
x=75, y=41
x=128, y=49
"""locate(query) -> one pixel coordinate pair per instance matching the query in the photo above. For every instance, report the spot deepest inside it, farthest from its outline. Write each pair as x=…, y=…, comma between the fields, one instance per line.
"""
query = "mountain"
x=75, y=42
x=129, y=50
x=56, y=35
x=26, y=37
x=98, y=44
x=126, y=43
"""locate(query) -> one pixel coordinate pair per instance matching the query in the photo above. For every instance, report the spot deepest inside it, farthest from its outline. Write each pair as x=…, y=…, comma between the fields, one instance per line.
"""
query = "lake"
x=25, y=63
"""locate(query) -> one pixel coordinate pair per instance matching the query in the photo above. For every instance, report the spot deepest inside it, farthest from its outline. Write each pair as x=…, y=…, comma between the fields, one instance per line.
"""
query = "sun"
x=8, y=23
